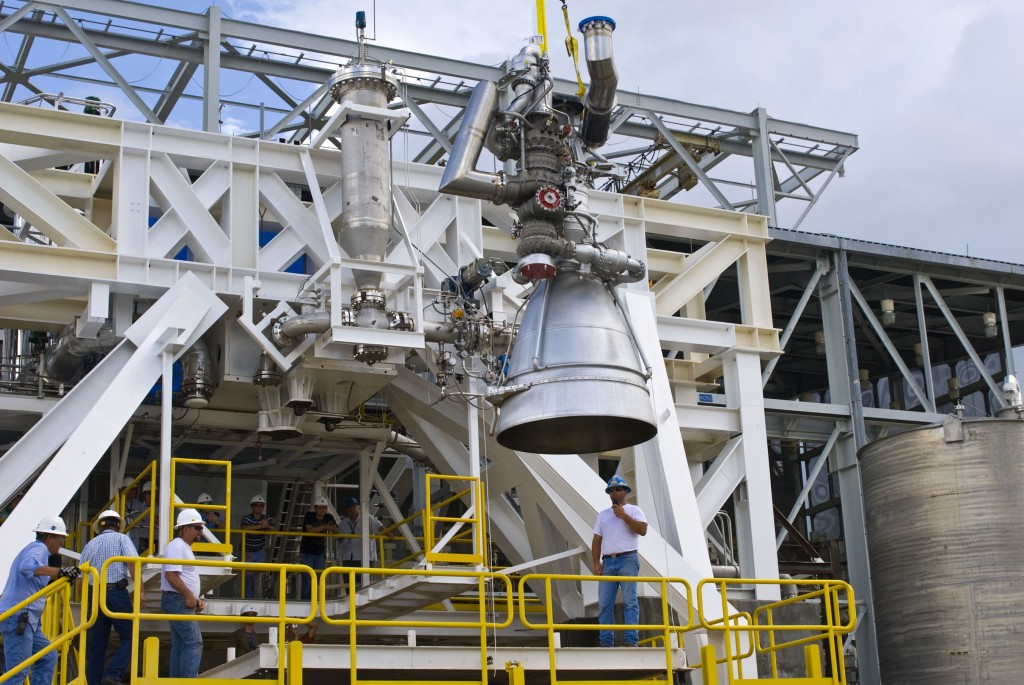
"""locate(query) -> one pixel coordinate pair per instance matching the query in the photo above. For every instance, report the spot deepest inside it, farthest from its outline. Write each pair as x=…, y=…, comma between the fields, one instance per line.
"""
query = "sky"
x=923, y=83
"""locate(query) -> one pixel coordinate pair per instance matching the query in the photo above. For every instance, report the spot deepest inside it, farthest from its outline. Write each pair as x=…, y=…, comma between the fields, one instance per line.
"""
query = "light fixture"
x=989, y=320
x=954, y=388
x=819, y=342
x=888, y=312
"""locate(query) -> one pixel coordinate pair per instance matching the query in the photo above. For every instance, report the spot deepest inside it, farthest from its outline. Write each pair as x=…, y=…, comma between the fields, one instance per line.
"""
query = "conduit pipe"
x=66, y=361
x=600, y=100
x=460, y=176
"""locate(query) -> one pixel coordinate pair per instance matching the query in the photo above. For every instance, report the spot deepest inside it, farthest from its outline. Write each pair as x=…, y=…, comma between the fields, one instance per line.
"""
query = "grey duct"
x=600, y=100
x=460, y=176
x=65, y=363
x=196, y=376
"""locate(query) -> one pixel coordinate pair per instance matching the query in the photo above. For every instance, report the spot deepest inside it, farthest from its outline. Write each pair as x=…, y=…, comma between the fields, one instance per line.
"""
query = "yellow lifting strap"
x=572, y=46
x=542, y=27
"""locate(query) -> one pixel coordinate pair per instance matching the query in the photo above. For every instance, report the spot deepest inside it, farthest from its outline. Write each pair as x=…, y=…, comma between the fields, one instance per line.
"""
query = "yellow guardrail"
x=475, y=520
x=58, y=625
x=147, y=517
x=150, y=658
x=761, y=631
x=487, y=615
x=666, y=627
x=200, y=546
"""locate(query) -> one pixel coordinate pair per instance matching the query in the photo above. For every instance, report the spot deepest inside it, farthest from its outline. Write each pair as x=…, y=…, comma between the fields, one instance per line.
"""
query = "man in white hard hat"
x=211, y=517
x=110, y=542
x=246, y=639
x=255, y=545
x=181, y=595
x=30, y=572
x=614, y=548
x=313, y=550
x=136, y=518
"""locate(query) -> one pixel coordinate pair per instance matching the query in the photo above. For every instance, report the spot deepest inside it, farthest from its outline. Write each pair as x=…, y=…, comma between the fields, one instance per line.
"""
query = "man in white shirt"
x=181, y=595
x=614, y=549
x=351, y=548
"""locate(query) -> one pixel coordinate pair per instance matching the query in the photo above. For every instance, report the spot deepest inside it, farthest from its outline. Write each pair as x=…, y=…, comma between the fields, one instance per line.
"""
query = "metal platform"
x=392, y=662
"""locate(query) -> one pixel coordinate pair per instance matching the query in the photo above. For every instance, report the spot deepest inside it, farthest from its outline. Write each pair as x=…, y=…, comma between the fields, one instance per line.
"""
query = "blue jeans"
x=314, y=561
x=186, y=640
x=251, y=577
x=18, y=648
x=628, y=565
x=118, y=600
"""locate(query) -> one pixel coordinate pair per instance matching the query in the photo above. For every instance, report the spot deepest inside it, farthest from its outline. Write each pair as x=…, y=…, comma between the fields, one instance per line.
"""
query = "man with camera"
x=30, y=572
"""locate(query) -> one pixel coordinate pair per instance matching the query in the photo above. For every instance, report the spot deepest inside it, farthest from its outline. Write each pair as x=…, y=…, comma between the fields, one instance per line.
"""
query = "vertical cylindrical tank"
x=365, y=222
x=944, y=512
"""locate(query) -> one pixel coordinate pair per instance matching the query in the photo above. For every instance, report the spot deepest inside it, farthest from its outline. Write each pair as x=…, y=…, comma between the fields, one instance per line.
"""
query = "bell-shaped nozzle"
x=600, y=100
x=575, y=383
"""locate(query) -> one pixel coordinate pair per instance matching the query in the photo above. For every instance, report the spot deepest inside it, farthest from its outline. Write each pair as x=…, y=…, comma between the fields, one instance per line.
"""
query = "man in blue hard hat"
x=614, y=549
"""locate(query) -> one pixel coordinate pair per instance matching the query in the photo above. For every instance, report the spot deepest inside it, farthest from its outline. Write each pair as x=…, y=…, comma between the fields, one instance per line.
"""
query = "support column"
x=755, y=527
x=211, y=73
x=844, y=385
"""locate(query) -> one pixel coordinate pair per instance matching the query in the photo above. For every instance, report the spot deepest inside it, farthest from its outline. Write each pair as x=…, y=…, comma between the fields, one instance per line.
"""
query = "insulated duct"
x=65, y=363
x=196, y=376
x=600, y=100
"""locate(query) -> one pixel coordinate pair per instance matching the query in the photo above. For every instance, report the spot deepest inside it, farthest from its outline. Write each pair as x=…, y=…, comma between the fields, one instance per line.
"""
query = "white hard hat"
x=53, y=525
x=187, y=516
x=257, y=499
x=248, y=609
x=126, y=481
x=204, y=498
x=321, y=501
x=147, y=486
x=108, y=514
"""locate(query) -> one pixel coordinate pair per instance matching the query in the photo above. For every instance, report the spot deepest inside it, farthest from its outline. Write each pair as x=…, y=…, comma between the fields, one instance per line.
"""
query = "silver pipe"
x=460, y=176
x=609, y=263
x=65, y=361
x=600, y=100
x=197, y=375
x=300, y=325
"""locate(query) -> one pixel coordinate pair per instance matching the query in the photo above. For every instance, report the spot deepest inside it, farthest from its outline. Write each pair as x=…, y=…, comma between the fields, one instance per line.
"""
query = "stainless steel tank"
x=579, y=379
x=944, y=508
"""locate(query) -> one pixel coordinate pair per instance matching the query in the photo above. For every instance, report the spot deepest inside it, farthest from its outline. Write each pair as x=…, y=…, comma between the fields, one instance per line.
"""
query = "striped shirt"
x=254, y=543
x=108, y=544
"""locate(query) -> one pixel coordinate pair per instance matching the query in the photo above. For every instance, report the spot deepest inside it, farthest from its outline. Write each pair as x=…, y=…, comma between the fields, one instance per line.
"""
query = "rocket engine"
x=575, y=381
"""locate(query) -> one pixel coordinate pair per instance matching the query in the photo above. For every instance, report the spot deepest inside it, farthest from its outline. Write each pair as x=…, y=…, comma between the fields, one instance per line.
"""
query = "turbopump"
x=575, y=380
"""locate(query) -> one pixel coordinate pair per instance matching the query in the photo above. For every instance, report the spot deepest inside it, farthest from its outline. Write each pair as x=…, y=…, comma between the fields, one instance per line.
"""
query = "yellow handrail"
x=200, y=546
x=57, y=624
x=761, y=626
x=666, y=627
x=136, y=615
x=477, y=522
x=484, y=579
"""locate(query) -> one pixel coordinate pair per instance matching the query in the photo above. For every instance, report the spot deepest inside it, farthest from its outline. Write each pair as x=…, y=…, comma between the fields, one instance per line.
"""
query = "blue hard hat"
x=350, y=502
x=617, y=482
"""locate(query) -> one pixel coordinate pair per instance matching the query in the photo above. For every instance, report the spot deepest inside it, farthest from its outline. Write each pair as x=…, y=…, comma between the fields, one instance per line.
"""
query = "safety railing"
x=146, y=519
x=669, y=632
x=768, y=637
x=200, y=545
x=474, y=517
x=488, y=615
x=59, y=626
x=288, y=670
